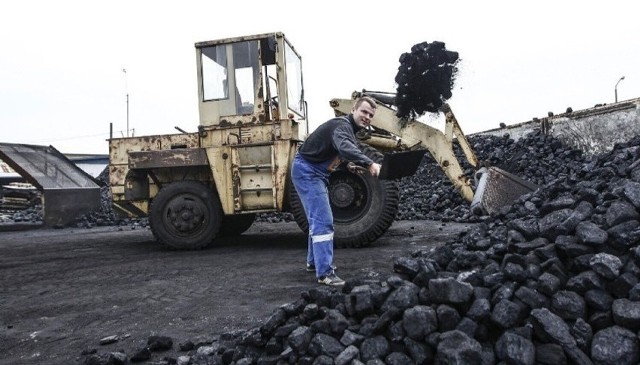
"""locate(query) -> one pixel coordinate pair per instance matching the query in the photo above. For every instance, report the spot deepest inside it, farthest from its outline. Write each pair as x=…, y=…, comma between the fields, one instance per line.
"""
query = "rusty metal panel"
x=117, y=152
x=254, y=155
x=168, y=158
x=283, y=151
x=188, y=140
x=119, y=148
x=255, y=134
x=116, y=191
x=220, y=162
x=117, y=174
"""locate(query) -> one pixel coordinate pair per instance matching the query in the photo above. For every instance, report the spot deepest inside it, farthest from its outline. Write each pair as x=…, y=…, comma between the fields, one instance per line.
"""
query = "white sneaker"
x=331, y=280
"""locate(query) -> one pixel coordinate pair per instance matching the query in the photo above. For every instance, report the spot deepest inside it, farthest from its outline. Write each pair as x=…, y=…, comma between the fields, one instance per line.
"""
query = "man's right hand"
x=374, y=169
x=355, y=169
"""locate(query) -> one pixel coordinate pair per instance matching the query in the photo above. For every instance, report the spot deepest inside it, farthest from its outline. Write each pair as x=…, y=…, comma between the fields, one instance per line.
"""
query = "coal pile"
x=537, y=158
x=275, y=217
x=31, y=215
x=20, y=203
x=553, y=279
x=425, y=78
x=105, y=215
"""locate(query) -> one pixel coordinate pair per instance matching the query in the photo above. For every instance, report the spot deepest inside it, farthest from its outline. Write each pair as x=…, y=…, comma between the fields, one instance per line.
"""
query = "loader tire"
x=234, y=225
x=363, y=206
x=185, y=215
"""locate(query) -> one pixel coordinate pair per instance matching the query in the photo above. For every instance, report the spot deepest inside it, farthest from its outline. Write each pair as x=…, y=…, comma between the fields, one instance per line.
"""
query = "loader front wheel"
x=363, y=207
x=185, y=215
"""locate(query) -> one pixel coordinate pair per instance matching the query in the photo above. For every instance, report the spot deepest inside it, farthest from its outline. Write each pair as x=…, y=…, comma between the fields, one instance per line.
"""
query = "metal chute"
x=67, y=190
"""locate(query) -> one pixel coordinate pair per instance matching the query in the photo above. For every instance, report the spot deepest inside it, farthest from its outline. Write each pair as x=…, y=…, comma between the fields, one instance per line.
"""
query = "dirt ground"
x=62, y=290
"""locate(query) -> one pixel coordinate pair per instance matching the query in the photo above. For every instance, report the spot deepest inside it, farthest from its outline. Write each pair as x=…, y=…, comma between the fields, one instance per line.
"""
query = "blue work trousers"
x=311, y=181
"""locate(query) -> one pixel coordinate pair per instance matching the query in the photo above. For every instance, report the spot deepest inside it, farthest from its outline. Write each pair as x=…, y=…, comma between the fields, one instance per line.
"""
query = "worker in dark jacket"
x=332, y=144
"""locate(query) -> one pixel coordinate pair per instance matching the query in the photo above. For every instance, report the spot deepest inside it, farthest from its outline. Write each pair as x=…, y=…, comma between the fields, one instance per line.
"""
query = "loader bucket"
x=497, y=188
x=400, y=164
x=67, y=190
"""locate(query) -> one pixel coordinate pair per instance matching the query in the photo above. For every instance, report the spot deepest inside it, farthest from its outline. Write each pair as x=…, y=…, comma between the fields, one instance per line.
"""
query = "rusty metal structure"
x=198, y=186
x=67, y=191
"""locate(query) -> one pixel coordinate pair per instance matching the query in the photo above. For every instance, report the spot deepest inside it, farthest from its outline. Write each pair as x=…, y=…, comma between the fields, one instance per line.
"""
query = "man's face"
x=363, y=114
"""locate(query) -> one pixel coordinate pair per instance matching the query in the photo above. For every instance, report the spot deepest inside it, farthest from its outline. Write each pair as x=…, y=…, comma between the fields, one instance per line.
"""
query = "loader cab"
x=248, y=80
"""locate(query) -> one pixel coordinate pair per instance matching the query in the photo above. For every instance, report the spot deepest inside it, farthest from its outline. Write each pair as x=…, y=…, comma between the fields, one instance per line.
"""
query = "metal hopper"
x=67, y=190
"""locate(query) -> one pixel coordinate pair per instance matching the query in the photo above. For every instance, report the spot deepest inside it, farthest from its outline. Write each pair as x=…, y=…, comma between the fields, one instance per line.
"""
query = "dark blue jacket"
x=334, y=138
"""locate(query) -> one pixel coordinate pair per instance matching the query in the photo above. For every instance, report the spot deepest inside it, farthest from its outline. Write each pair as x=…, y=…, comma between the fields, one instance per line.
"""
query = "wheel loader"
x=196, y=187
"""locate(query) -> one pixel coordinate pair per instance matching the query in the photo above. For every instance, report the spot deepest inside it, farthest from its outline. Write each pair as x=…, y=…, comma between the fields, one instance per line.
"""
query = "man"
x=324, y=149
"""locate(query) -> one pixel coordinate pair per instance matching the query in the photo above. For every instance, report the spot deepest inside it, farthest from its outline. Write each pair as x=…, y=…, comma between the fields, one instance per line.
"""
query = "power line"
x=105, y=135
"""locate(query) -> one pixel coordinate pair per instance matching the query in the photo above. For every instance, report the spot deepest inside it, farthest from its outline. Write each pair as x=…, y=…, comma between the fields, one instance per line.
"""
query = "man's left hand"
x=374, y=169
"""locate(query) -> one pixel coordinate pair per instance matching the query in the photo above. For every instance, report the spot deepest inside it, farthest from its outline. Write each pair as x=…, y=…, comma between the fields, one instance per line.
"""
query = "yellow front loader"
x=195, y=187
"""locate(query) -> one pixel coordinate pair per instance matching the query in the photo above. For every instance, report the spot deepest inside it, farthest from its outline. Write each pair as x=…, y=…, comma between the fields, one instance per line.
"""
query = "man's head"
x=363, y=111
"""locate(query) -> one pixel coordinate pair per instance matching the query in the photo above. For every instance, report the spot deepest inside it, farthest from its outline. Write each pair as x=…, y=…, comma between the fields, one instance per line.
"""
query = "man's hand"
x=374, y=169
x=355, y=169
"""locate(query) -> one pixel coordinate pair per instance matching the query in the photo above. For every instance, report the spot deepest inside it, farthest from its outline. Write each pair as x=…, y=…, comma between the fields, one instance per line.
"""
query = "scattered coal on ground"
x=425, y=78
x=552, y=279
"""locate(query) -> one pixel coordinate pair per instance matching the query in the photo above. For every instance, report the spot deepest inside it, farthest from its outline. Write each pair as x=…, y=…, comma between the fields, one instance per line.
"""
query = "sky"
x=62, y=81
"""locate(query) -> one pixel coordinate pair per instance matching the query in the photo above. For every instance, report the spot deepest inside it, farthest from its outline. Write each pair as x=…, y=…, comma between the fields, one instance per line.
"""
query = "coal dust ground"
x=61, y=291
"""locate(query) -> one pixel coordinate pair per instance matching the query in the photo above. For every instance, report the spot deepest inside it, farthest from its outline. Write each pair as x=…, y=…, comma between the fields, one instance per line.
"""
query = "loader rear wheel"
x=185, y=215
x=363, y=207
x=234, y=225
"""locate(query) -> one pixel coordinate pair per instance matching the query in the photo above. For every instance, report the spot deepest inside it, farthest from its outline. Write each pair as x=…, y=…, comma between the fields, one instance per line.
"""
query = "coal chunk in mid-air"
x=425, y=78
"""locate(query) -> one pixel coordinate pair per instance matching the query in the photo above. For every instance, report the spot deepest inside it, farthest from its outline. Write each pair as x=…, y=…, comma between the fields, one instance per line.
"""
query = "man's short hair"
x=368, y=99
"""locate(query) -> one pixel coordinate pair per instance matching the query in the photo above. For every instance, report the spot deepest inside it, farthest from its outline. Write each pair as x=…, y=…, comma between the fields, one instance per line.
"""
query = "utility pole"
x=126, y=87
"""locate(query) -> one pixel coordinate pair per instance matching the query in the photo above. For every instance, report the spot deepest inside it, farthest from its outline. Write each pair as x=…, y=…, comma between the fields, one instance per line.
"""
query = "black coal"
x=538, y=158
x=425, y=78
x=552, y=279
x=105, y=215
